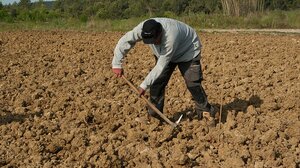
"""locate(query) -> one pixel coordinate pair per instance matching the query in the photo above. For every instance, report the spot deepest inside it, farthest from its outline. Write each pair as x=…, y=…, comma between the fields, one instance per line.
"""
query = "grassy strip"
x=274, y=19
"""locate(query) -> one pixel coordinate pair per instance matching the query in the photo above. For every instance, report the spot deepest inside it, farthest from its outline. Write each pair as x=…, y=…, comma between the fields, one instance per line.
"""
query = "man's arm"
x=163, y=60
x=125, y=44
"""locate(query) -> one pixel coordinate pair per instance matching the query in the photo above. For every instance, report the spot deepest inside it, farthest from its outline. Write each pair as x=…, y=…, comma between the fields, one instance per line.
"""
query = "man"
x=174, y=44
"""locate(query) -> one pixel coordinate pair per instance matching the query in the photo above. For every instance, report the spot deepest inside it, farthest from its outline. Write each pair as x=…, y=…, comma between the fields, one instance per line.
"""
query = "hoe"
x=173, y=124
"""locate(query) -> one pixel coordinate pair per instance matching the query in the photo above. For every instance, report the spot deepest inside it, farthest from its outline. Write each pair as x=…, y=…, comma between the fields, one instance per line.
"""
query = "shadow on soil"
x=9, y=117
x=238, y=105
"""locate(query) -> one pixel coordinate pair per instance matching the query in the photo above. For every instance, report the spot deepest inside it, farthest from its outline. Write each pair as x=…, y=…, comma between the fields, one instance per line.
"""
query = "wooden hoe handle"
x=149, y=103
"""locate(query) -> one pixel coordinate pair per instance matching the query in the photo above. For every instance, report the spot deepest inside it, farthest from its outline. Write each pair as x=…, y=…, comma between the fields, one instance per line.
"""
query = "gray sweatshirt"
x=179, y=43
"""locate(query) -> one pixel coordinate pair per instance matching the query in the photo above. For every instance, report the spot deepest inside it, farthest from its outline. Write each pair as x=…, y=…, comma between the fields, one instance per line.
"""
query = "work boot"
x=199, y=114
x=190, y=115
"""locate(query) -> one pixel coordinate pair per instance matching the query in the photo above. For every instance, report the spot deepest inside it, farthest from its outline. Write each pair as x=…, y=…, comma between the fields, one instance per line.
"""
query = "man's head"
x=151, y=31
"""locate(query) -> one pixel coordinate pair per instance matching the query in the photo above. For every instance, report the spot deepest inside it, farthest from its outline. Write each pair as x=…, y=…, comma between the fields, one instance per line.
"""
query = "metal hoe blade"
x=177, y=122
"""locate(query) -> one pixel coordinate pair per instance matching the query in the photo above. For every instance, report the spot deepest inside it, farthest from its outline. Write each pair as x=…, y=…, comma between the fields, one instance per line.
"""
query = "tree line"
x=122, y=9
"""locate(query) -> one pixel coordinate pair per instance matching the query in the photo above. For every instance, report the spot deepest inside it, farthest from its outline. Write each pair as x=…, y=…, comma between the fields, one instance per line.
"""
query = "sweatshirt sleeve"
x=163, y=60
x=125, y=44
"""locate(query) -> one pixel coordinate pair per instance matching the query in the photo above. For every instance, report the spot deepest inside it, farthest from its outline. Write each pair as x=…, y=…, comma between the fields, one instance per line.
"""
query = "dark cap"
x=150, y=31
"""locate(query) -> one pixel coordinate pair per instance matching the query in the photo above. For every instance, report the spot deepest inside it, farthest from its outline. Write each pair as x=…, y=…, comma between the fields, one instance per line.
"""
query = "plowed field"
x=61, y=105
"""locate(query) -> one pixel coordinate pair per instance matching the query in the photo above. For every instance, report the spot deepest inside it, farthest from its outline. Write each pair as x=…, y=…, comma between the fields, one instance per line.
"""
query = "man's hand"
x=141, y=91
x=118, y=72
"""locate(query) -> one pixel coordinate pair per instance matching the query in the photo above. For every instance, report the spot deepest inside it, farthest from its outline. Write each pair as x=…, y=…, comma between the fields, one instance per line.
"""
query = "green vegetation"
x=122, y=15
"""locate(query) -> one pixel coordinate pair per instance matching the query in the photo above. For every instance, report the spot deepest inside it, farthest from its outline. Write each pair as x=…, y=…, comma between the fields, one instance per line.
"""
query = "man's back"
x=179, y=37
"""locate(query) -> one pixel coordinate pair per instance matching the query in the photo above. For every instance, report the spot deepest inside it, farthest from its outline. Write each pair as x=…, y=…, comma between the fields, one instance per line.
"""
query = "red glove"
x=118, y=72
x=141, y=91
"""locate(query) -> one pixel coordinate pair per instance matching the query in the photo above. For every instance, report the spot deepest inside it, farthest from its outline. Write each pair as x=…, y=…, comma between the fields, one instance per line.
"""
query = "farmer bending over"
x=174, y=44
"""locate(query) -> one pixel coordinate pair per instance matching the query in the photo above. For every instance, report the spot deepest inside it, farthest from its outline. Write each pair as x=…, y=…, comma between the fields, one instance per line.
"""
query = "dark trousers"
x=192, y=73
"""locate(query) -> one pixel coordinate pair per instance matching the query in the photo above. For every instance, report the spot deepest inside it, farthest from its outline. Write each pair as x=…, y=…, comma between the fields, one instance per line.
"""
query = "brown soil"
x=61, y=106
